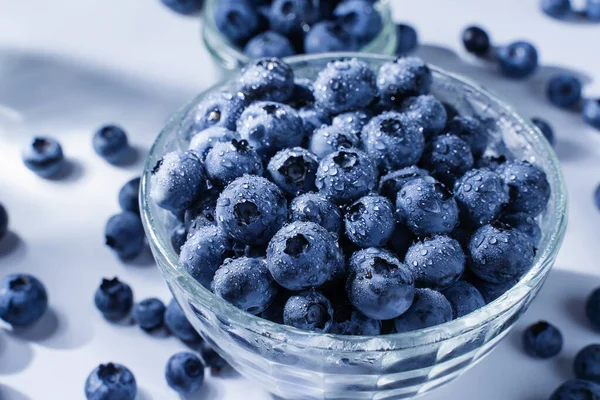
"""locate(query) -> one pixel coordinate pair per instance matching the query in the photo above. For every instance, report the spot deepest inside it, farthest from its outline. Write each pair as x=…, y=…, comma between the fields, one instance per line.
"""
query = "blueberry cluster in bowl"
x=356, y=204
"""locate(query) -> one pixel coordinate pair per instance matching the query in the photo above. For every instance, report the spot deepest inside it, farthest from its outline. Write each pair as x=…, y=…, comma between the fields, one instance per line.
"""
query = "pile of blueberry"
x=563, y=9
x=358, y=198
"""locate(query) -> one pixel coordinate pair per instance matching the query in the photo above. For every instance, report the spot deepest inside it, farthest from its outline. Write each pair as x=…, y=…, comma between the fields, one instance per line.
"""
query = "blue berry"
x=303, y=95
x=591, y=112
x=291, y=17
x=3, y=221
x=177, y=180
x=113, y=299
x=592, y=10
x=312, y=118
x=352, y=121
x=312, y=207
x=542, y=340
x=345, y=175
x=205, y=140
x=556, y=8
x=403, y=78
x=427, y=207
x=355, y=324
x=447, y=157
x=429, y=113
x=330, y=138
x=546, y=129
x=267, y=79
x=464, y=298
x=237, y=20
x=587, y=363
x=564, y=90
x=294, y=170
x=124, y=234
x=481, y=195
x=185, y=7
x=251, y=209
x=576, y=389
x=401, y=240
x=408, y=39
x=310, y=311
x=491, y=291
x=379, y=285
x=44, y=156
x=499, y=253
x=129, y=196
x=393, y=140
x=211, y=358
x=518, y=59
x=227, y=161
x=217, y=109
x=110, y=142
x=23, y=299
x=184, y=373
x=369, y=221
x=470, y=130
x=110, y=381
x=592, y=309
x=178, y=323
x=429, y=308
x=203, y=252
x=528, y=186
x=391, y=183
x=270, y=127
x=476, y=40
x=296, y=249
x=524, y=223
x=491, y=162
x=327, y=37
x=359, y=18
x=269, y=44
x=245, y=283
x=436, y=262
x=202, y=212
x=149, y=313
x=345, y=85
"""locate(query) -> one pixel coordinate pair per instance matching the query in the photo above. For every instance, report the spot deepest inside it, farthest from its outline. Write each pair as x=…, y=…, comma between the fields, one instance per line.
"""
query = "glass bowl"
x=231, y=57
x=295, y=364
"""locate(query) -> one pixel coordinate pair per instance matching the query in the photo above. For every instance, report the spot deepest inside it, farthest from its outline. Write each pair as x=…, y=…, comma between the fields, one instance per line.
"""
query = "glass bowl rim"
x=542, y=263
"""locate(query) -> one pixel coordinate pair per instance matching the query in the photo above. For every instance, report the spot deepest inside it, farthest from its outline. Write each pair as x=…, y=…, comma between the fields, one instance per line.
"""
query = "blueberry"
x=274, y=312
x=237, y=20
x=587, y=363
x=110, y=142
x=149, y=313
x=428, y=111
x=251, y=209
x=211, y=358
x=202, y=212
x=471, y=131
x=592, y=309
x=23, y=299
x=464, y=298
x=114, y=299
x=401, y=240
x=270, y=127
x=184, y=373
x=3, y=221
x=227, y=161
x=447, y=157
x=596, y=198
x=292, y=17
x=124, y=234
x=564, y=90
x=44, y=156
x=403, y=78
x=391, y=183
x=311, y=207
x=491, y=162
x=379, y=285
x=185, y=7
x=429, y=308
x=408, y=39
x=310, y=311
x=296, y=249
x=269, y=44
x=206, y=139
x=524, y=223
x=110, y=381
x=481, y=195
x=491, y=291
x=267, y=79
x=542, y=340
x=203, y=252
x=217, y=109
x=352, y=121
x=303, y=95
x=345, y=85
x=518, y=59
x=178, y=323
x=355, y=324
x=129, y=196
x=178, y=237
x=427, y=207
x=177, y=180
x=436, y=262
x=294, y=170
x=245, y=283
x=327, y=37
x=528, y=186
x=591, y=112
x=577, y=389
x=345, y=176
x=476, y=40
x=330, y=138
x=498, y=253
x=546, y=129
x=359, y=18
x=556, y=8
x=393, y=140
x=369, y=221
x=592, y=10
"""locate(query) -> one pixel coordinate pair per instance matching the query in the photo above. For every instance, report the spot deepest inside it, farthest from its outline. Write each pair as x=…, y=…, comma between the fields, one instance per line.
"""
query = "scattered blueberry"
x=369, y=221
x=524, y=223
x=391, y=183
x=591, y=112
x=592, y=10
x=470, y=130
x=185, y=7
x=124, y=234
x=267, y=79
x=110, y=381
x=114, y=299
x=291, y=17
x=359, y=18
x=403, y=78
x=129, y=196
x=110, y=142
x=592, y=309
x=564, y=90
x=542, y=340
x=178, y=237
x=3, y=221
x=227, y=161
x=237, y=20
x=330, y=138
x=476, y=40
x=556, y=8
x=408, y=39
x=327, y=37
x=546, y=129
x=576, y=389
x=481, y=195
x=44, y=156
x=429, y=308
x=447, y=157
x=184, y=373
x=294, y=170
x=587, y=363
x=529, y=189
x=309, y=311
x=464, y=298
x=269, y=44
x=216, y=110
x=312, y=207
x=178, y=323
x=518, y=59
x=429, y=113
x=23, y=299
x=149, y=313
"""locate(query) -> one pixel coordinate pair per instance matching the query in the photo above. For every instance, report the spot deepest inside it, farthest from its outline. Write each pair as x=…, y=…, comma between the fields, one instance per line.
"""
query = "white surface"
x=68, y=66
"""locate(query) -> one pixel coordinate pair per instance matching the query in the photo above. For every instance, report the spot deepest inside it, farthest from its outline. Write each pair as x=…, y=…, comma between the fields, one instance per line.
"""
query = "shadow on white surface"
x=145, y=259
x=12, y=244
x=143, y=394
x=70, y=172
x=207, y=391
x=8, y=393
x=16, y=354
